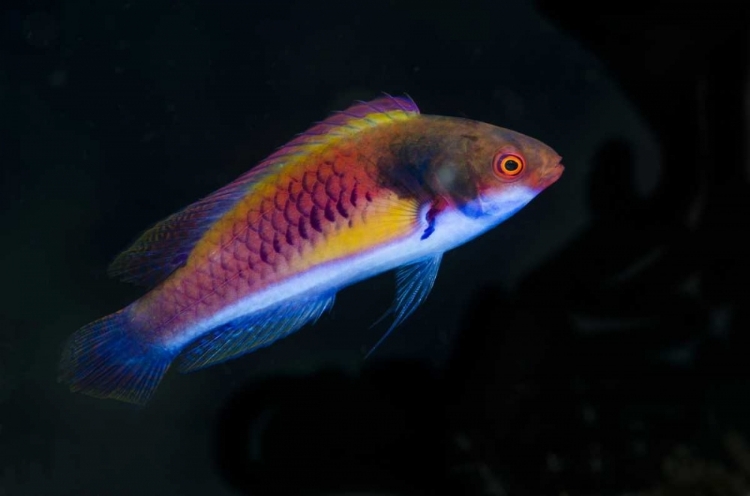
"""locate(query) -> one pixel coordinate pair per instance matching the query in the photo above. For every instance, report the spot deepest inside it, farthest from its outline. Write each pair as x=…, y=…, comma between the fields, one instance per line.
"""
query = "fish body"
x=377, y=187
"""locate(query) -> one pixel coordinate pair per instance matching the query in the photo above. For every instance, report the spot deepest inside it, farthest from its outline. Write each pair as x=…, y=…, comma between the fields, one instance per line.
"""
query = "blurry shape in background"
x=41, y=29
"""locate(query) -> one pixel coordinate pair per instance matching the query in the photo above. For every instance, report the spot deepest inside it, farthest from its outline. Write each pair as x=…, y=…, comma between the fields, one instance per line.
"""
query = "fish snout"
x=550, y=175
x=556, y=172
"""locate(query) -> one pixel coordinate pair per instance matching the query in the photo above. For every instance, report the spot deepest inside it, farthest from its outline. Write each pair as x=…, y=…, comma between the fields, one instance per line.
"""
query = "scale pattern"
x=323, y=209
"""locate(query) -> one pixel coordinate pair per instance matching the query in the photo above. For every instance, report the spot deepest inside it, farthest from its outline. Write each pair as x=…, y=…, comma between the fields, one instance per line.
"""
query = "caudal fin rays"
x=105, y=359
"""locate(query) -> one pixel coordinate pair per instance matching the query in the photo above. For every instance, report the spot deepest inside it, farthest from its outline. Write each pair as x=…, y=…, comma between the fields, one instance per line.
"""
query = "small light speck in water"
x=721, y=320
x=463, y=442
x=589, y=414
x=692, y=285
x=58, y=78
x=595, y=463
x=554, y=463
x=639, y=447
x=592, y=76
x=256, y=432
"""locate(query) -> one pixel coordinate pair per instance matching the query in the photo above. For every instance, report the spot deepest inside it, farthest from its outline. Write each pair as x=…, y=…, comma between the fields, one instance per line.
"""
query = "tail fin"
x=106, y=359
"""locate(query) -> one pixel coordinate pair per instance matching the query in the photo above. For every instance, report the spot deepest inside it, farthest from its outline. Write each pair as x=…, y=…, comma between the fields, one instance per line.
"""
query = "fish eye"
x=508, y=164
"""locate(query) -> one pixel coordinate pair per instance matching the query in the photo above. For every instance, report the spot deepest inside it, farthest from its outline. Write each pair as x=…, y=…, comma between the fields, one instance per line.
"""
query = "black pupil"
x=511, y=165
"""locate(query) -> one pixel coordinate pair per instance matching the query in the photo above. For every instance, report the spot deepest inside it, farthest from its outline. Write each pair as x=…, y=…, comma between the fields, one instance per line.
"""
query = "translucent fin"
x=105, y=360
x=167, y=245
x=252, y=332
x=413, y=284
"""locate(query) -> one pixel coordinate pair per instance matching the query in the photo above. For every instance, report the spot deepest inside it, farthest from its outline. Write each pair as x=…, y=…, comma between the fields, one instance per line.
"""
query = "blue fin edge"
x=105, y=360
x=249, y=333
x=413, y=283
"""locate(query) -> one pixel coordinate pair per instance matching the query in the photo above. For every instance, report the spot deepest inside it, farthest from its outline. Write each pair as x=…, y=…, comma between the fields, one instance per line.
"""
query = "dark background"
x=595, y=343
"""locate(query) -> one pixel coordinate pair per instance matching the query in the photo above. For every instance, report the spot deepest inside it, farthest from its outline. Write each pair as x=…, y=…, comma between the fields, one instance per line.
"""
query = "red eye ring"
x=508, y=164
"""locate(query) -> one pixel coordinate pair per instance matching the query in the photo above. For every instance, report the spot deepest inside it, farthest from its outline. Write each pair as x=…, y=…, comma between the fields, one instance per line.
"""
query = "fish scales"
x=373, y=188
x=291, y=223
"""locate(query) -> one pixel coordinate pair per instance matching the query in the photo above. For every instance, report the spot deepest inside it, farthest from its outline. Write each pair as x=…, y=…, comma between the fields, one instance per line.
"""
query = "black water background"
x=571, y=349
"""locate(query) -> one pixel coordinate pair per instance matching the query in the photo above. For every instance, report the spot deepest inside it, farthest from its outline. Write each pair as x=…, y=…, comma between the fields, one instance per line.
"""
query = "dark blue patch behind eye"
x=431, y=226
x=430, y=229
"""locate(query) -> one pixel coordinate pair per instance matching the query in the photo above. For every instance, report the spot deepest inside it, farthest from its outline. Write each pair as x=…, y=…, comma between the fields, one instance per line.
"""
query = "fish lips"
x=551, y=176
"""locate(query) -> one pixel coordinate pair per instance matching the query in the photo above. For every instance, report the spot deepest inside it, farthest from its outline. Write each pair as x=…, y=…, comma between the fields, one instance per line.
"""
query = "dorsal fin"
x=166, y=246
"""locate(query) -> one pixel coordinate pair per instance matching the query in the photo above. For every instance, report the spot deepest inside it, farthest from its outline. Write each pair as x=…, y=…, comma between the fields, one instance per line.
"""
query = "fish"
x=376, y=187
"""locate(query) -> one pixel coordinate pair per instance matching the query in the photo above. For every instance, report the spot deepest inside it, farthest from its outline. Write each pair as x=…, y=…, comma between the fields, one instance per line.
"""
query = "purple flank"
x=164, y=248
x=341, y=209
x=118, y=357
x=276, y=244
x=315, y=219
x=264, y=255
x=329, y=214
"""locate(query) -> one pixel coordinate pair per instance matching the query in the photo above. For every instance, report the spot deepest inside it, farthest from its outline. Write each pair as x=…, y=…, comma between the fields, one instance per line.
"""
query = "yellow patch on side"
x=387, y=219
x=298, y=153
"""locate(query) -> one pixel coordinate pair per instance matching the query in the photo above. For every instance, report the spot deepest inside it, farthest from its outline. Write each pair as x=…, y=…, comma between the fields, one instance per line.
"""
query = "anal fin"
x=252, y=332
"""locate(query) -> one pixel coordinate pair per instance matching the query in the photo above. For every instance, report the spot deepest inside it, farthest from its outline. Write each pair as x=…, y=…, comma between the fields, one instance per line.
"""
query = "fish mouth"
x=552, y=175
x=558, y=170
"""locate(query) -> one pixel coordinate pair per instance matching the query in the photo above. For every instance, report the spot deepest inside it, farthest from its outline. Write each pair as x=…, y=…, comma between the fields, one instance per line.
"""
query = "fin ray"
x=252, y=332
x=413, y=283
x=166, y=246
x=105, y=360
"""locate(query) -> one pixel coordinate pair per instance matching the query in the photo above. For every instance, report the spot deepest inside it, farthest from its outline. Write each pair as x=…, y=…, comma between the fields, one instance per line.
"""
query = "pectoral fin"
x=413, y=284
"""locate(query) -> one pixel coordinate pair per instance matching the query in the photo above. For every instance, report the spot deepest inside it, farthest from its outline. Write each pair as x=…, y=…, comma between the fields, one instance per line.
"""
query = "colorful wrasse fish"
x=376, y=187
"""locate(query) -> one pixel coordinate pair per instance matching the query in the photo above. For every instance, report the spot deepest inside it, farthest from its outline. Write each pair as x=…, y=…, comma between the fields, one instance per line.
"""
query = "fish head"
x=492, y=172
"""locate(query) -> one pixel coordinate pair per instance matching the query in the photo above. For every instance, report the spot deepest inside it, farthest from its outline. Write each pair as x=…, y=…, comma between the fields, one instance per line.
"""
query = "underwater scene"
x=374, y=248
